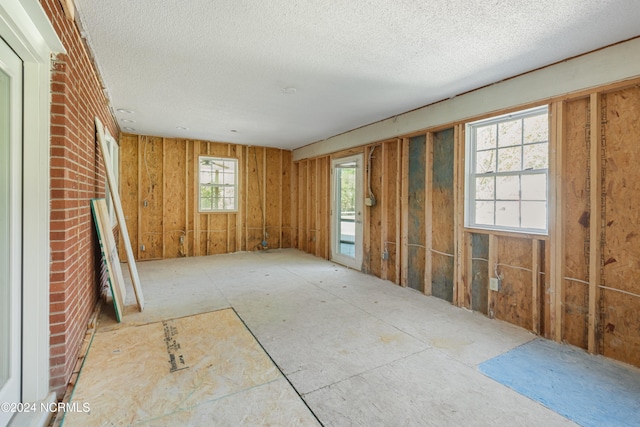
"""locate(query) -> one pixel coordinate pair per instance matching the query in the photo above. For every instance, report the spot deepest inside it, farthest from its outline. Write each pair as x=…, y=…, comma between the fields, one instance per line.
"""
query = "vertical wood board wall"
x=545, y=287
x=159, y=190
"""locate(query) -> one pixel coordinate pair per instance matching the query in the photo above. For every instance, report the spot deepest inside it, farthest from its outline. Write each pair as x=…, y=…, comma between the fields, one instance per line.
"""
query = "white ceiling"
x=221, y=67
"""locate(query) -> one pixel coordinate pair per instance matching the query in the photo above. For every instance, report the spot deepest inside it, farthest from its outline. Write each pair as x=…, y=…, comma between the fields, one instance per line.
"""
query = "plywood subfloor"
x=205, y=369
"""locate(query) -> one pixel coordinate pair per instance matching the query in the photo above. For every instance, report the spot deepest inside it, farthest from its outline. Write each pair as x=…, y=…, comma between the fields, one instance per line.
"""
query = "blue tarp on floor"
x=589, y=390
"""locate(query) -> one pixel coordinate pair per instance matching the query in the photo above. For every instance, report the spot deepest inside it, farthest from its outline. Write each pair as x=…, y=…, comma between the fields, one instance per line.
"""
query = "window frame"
x=236, y=173
x=471, y=174
x=114, y=155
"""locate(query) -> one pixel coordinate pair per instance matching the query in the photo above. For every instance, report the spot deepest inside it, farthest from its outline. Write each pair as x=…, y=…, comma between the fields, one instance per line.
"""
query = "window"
x=218, y=181
x=507, y=172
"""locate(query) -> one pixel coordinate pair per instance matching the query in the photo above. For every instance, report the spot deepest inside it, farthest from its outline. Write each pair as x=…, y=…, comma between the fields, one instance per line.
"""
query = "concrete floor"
x=357, y=349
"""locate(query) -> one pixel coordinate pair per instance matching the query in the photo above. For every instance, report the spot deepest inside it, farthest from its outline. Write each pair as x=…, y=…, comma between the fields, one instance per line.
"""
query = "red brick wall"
x=77, y=175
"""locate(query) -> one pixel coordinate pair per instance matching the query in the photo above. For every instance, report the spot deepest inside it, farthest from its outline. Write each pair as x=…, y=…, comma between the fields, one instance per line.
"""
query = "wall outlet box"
x=369, y=201
x=494, y=284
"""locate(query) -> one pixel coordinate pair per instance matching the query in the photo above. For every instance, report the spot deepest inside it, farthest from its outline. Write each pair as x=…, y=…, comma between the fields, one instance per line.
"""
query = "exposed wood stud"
x=468, y=268
x=246, y=199
x=264, y=194
x=428, y=215
x=536, y=307
x=316, y=213
x=228, y=215
x=280, y=195
x=196, y=211
x=384, y=206
x=164, y=201
x=398, y=245
x=556, y=222
x=186, y=201
x=140, y=241
x=240, y=219
x=294, y=205
x=404, y=209
x=595, y=250
x=309, y=246
x=366, y=223
x=458, y=194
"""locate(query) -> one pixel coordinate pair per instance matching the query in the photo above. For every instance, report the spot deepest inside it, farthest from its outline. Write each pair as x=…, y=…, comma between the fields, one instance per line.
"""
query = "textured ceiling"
x=220, y=68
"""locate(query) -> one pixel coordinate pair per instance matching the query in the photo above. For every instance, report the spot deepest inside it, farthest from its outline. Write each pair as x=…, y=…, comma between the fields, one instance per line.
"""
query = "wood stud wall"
x=158, y=186
x=579, y=284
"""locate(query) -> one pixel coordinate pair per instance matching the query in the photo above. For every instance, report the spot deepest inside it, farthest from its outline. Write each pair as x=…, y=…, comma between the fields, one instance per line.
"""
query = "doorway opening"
x=346, y=211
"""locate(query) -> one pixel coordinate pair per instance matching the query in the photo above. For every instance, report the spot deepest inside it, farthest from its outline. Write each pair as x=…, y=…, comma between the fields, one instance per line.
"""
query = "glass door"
x=10, y=226
x=346, y=211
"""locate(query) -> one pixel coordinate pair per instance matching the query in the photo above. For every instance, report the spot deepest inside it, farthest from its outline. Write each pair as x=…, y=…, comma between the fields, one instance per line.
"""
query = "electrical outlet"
x=385, y=255
x=494, y=284
x=142, y=248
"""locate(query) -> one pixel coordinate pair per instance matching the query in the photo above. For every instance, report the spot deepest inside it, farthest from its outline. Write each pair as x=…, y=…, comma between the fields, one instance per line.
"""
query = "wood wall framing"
x=159, y=190
x=578, y=284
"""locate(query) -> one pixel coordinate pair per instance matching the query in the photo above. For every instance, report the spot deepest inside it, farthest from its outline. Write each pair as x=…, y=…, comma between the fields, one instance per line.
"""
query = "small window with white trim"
x=218, y=183
x=507, y=172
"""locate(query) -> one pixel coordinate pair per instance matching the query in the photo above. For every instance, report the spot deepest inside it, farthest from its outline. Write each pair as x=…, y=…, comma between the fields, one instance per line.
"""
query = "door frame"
x=25, y=27
x=12, y=67
x=336, y=256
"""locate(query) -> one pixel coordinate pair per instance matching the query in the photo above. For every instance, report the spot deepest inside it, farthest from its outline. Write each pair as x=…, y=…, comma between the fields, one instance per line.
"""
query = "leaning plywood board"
x=205, y=369
x=115, y=196
x=109, y=255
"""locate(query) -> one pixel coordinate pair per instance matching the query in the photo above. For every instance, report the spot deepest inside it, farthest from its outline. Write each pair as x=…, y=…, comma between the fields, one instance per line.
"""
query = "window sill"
x=505, y=233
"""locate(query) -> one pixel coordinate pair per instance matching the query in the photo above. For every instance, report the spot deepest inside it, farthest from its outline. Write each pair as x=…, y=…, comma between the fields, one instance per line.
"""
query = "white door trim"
x=11, y=65
x=26, y=28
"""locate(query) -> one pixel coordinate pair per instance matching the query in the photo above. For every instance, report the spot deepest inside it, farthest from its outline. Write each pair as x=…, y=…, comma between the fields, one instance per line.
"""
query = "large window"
x=507, y=172
x=218, y=181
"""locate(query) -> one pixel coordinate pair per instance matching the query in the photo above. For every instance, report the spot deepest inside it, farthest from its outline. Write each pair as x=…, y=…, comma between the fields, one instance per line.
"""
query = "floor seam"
x=278, y=368
x=369, y=370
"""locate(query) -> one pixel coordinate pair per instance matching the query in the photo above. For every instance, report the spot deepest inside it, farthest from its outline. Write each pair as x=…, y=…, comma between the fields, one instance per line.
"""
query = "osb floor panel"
x=360, y=351
x=205, y=369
